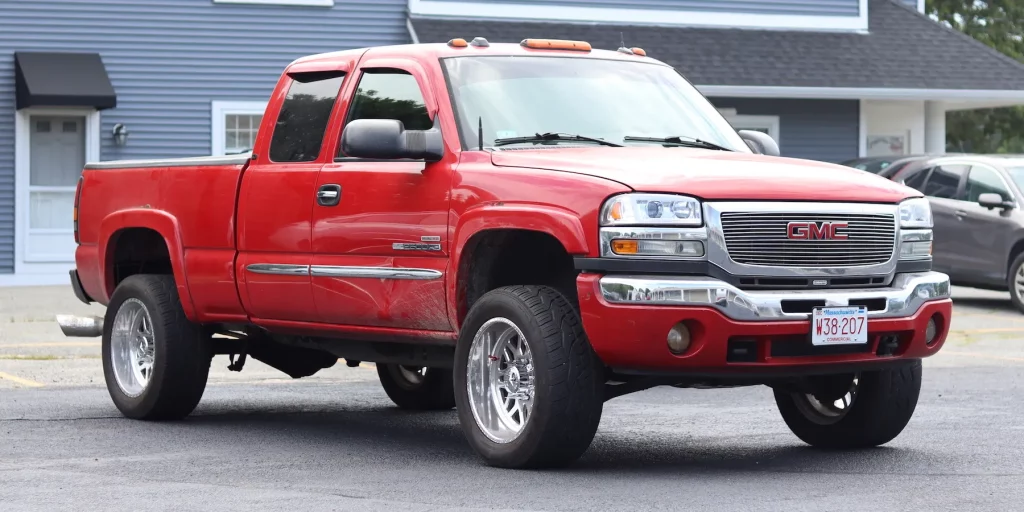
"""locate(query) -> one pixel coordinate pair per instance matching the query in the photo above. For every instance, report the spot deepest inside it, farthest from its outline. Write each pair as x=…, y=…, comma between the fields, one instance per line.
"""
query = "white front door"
x=51, y=147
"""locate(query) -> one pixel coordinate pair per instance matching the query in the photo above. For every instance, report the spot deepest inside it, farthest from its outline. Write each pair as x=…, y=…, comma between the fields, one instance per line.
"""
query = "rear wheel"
x=411, y=387
x=528, y=385
x=155, y=361
x=853, y=411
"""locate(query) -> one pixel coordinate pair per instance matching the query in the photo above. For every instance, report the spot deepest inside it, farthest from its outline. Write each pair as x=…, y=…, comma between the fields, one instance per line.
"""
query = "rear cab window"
x=302, y=121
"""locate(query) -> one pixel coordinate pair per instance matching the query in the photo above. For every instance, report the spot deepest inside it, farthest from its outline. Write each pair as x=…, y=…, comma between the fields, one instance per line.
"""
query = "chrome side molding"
x=80, y=326
x=343, y=271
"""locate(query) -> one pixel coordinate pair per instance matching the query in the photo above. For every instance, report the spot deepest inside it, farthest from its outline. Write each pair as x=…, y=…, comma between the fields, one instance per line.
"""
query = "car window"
x=944, y=181
x=916, y=179
x=390, y=94
x=301, y=124
x=983, y=180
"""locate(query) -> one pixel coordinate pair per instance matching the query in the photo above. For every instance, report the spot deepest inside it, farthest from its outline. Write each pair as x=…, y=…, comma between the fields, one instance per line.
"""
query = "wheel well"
x=138, y=251
x=503, y=257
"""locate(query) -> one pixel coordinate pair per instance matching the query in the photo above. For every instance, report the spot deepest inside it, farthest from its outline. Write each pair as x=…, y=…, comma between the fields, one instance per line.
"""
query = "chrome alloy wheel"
x=826, y=412
x=500, y=380
x=132, y=347
x=1018, y=283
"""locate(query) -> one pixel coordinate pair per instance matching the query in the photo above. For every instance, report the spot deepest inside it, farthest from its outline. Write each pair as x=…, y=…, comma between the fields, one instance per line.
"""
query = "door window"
x=304, y=114
x=944, y=181
x=390, y=94
x=56, y=159
x=916, y=179
x=983, y=180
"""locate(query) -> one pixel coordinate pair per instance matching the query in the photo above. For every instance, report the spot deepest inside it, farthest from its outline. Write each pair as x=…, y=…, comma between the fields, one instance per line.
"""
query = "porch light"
x=120, y=134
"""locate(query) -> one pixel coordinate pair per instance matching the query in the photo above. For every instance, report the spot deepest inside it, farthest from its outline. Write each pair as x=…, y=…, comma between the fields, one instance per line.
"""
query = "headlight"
x=915, y=213
x=651, y=209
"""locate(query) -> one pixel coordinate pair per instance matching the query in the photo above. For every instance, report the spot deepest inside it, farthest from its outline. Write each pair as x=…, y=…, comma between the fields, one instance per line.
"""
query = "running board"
x=80, y=326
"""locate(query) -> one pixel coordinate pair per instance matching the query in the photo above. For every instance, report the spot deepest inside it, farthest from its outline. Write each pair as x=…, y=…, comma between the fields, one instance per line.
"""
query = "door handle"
x=328, y=195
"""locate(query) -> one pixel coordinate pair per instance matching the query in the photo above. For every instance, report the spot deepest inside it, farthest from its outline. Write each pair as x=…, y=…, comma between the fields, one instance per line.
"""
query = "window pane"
x=391, y=94
x=982, y=180
x=916, y=179
x=51, y=210
x=303, y=118
x=944, y=181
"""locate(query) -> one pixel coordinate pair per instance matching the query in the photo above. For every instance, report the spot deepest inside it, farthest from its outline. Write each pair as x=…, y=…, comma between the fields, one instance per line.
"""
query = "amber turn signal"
x=625, y=246
x=556, y=44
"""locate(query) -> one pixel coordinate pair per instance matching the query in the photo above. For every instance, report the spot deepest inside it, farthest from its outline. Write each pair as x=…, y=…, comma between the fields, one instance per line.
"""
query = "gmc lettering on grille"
x=815, y=230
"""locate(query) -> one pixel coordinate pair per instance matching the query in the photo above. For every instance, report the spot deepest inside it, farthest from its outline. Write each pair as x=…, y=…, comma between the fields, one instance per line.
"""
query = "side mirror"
x=760, y=142
x=992, y=200
x=387, y=139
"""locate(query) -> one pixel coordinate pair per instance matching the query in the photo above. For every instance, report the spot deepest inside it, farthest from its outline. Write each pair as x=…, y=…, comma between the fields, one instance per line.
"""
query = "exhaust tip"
x=80, y=326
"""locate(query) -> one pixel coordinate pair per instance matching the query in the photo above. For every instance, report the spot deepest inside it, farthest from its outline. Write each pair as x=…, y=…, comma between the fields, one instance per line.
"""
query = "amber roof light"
x=458, y=43
x=556, y=44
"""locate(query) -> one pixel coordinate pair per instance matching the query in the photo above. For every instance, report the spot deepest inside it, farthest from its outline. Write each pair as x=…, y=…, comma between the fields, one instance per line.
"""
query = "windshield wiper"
x=550, y=137
x=676, y=139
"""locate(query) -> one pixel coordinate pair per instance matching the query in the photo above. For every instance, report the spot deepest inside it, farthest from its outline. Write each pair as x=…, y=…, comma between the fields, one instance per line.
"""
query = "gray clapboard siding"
x=168, y=59
x=826, y=130
x=793, y=7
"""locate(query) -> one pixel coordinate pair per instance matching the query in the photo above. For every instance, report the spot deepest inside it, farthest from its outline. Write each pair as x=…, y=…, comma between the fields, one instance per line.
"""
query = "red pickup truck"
x=520, y=232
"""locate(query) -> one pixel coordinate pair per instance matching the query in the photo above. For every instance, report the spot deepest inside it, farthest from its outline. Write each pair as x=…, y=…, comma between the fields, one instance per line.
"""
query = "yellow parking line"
x=988, y=330
x=58, y=344
x=19, y=380
x=983, y=356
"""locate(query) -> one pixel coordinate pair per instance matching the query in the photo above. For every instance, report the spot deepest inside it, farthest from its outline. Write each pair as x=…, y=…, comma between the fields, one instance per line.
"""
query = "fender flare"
x=167, y=227
x=564, y=225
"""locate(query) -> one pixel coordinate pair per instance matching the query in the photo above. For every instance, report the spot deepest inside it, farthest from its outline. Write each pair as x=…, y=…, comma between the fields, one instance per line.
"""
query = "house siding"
x=790, y=7
x=168, y=59
x=825, y=130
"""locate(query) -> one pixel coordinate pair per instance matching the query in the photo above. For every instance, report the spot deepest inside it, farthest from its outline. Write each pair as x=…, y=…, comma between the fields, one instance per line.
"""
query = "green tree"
x=999, y=24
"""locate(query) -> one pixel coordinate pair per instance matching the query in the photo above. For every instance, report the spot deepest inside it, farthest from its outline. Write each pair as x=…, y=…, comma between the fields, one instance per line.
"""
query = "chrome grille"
x=761, y=239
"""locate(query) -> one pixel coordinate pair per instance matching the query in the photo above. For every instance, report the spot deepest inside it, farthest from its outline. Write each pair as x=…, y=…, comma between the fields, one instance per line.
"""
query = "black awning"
x=45, y=79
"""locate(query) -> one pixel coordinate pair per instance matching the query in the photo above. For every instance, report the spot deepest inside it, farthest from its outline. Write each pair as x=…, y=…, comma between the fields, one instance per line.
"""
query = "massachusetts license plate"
x=839, y=325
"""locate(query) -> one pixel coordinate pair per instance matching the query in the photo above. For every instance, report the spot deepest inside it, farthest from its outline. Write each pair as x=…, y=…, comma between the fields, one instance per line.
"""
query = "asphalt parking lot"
x=260, y=440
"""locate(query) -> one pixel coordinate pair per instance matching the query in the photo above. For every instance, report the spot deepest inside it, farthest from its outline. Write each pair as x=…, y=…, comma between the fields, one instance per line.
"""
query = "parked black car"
x=872, y=164
x=979, y=226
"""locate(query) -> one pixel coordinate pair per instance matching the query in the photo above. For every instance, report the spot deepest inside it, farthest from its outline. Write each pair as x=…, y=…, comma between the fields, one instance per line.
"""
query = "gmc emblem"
x=815, y=230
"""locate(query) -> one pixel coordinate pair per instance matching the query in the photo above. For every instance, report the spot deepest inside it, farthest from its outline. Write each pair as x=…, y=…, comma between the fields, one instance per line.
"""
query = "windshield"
x=1017, y=175
x=608, y=99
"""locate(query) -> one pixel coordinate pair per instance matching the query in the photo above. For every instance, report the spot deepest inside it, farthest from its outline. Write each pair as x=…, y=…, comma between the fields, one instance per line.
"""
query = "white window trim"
x=306, y=3
x=469, y=9
x=742, y=122
x=219, y=110
x=53, y=264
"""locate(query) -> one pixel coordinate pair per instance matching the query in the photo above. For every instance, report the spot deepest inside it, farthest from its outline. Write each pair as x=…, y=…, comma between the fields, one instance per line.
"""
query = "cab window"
x=944, y=181
x=301, y=124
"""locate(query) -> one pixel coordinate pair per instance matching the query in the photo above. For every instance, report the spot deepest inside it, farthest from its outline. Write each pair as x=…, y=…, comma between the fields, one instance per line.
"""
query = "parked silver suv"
x=979, y=226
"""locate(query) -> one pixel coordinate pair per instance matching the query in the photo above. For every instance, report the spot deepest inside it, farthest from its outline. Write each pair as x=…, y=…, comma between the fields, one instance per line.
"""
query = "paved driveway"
x=334, y=442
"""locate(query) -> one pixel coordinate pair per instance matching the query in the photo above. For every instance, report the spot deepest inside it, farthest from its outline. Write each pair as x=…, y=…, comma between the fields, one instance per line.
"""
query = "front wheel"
x=853, y=411
x=528, y=386
x=1015, y=282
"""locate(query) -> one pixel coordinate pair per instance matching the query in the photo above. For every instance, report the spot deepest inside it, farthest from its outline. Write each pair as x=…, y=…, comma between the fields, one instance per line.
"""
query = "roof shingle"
x=903, y=49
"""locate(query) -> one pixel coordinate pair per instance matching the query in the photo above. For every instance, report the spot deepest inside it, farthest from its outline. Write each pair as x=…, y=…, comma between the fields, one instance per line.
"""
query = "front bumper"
x=627, y=319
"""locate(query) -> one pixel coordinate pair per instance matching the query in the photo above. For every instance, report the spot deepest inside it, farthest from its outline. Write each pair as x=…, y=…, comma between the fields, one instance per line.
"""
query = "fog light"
x=678, y=338
x=931, y=331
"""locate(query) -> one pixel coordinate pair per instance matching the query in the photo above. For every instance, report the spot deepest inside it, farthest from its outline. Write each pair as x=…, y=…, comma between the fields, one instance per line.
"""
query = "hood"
x=713, y=175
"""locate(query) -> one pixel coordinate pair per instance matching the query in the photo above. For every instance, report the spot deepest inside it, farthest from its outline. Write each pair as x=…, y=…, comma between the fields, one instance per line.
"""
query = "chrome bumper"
x=906, y=295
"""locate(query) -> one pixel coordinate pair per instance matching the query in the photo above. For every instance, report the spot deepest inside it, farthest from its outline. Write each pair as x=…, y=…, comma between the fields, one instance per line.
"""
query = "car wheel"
x=417, y=388
x=528, y=386
x=853, y=411
x=1015, y=282
x=155, y=361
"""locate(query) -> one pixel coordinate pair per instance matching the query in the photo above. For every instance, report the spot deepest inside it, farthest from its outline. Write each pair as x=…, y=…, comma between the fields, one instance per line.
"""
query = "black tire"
x=883, y=405
x=431, y=392
x=182, y=354
x=1011, y=282
x=569, y=385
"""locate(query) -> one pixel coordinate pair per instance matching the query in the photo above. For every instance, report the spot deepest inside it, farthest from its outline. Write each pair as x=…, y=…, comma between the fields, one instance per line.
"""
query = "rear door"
x=381, y=250
x=987, y=232
x=276, y=201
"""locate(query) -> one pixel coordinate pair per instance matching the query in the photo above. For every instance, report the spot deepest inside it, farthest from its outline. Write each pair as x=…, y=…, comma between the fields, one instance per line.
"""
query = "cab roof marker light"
x=458, y=42
x=638, y=51
x=556, y=44
x=480, y=42
x=623, y=49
